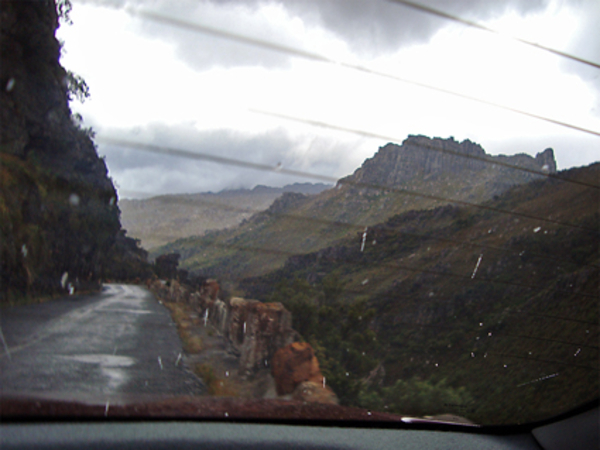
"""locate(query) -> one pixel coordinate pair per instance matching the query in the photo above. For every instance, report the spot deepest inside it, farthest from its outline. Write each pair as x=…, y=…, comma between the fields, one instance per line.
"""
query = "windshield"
x=364, y=210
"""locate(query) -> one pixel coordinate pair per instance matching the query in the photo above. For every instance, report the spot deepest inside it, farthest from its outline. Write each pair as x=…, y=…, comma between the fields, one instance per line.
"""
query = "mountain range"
x=421, y=173
x=500, y=298
x=158, y=220
x=433, y=268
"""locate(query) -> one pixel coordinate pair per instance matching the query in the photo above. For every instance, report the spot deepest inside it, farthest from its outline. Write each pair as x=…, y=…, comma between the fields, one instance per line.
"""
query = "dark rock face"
x=58, y=207
x=420, y=156
x=254, y=330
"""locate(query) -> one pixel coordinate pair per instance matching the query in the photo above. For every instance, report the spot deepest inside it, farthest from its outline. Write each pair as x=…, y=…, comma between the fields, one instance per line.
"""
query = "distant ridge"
x=425, y=158
x=420, y=174
x=158, y=220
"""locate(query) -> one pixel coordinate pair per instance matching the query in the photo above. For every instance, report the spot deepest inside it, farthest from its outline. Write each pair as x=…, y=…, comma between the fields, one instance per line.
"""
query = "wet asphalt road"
x=117, y=346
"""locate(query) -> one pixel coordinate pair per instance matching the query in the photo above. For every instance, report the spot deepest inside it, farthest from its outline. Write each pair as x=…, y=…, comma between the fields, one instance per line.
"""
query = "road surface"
x=115, y=346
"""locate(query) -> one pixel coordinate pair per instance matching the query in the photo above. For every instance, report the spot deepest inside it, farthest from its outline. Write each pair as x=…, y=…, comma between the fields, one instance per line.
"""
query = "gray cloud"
x=369, y=28
x=141, y=173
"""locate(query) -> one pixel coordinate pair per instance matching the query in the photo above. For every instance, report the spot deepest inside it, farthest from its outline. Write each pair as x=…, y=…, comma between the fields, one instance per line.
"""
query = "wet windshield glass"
x=300, y=209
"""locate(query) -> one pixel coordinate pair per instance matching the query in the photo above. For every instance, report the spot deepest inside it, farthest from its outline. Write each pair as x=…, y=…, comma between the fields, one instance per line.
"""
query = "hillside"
x=59, y=220
x=422, y=173
x=501, y=307
x=159, y=220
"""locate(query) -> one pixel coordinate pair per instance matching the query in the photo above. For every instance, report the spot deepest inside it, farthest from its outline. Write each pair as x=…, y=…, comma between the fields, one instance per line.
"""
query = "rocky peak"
x=424, y=157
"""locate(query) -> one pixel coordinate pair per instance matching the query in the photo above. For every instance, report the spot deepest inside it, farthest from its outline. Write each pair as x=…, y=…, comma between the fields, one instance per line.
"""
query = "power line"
x=473, y=24
x=180, y=23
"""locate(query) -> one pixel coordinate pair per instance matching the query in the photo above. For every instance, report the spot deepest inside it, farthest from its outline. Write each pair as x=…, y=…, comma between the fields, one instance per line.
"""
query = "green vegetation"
x=466, y=311
x=417, y=398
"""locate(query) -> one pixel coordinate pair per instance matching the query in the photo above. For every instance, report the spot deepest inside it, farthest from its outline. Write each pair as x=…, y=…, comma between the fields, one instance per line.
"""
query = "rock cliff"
x=425, y=158
x=59, y=217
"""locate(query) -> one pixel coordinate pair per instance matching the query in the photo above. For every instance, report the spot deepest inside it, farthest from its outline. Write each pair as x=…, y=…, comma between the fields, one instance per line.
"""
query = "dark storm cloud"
x=141, y=173
x=369, y=28
x=375, y=27
x=381, y=26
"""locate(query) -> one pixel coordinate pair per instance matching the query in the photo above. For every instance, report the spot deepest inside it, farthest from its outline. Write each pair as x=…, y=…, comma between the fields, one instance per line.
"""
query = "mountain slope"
x=59, y=221
x=504, y=305
x=421, y=173
x=159, y=220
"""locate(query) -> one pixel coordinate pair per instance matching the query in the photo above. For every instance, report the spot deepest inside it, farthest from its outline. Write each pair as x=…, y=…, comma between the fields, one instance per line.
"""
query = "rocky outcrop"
x=260, y=334
x=254, y=330
x=58, y=207
x=293, y=365
x=419, y=156
x=296, y=371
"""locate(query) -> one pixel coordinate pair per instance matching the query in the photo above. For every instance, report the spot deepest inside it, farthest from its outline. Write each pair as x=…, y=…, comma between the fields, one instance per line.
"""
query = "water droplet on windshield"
x=368, y=413
x=490, y=333
x=364, y=239
x=226, y=414
x=160, y=363
x=472, y=355
x=536, y=229
x=74, y=199
x=10, y=85
x=577, y=352
x=365, y=281
x=63, y=279
x=226, y=373
x=324, y=381
x=24, y=250
x=477, y=266
x=505, y=366
x=205, y=316
x=480, y=324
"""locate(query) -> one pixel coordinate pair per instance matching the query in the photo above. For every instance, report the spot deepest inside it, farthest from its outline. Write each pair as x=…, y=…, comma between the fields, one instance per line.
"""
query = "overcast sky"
x=156, y=83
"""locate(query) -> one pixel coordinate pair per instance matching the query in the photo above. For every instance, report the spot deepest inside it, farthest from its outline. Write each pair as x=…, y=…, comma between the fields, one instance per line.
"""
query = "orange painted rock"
x=294, y=364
